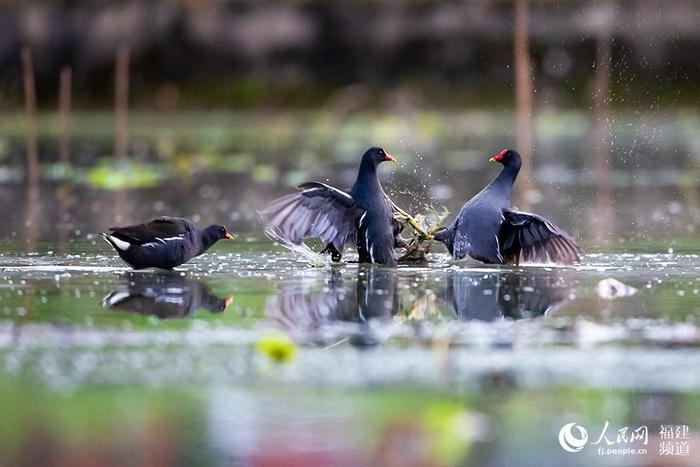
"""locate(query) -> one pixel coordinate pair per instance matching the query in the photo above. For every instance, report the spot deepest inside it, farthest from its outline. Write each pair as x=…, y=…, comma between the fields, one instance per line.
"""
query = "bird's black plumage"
x=510, y=295
x=371, y=294
x=164, y=295
x=363, y=215
x=489, y=230
x=165, y=242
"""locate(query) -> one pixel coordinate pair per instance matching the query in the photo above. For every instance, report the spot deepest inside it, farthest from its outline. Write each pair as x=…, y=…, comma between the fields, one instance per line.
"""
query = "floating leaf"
x=277, y=347
x=124, y=176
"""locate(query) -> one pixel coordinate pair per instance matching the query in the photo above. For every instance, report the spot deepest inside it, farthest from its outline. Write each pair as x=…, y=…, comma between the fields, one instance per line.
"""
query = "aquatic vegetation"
x=277, y=347
x=124, y=175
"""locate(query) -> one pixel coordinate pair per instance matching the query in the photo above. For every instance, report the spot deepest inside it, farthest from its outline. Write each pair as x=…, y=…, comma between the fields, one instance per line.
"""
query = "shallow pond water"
x=249, y=355
x=461, y=362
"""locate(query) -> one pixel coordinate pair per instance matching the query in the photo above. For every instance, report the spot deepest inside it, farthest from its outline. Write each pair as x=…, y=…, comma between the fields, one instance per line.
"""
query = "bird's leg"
x=336, y=255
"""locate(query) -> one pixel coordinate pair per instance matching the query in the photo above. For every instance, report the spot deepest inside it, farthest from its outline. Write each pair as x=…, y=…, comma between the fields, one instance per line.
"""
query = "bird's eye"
x=381, y=152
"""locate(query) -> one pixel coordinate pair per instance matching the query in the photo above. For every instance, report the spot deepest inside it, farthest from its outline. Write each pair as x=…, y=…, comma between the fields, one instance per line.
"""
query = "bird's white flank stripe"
x=121, y=244
x=169, y=239
x=115, y=298
x=368, y=249
x=498, y=249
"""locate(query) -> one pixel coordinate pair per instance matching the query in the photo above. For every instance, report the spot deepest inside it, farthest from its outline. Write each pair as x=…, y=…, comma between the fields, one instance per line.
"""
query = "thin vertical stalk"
x=64, y=112
x=524, y=113
x=31, y=222
x=601, y=133
x=121, y=103
x=30, y=104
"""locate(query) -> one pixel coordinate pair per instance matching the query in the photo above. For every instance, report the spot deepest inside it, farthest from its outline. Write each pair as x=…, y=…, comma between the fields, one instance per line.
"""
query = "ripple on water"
x=435, y=324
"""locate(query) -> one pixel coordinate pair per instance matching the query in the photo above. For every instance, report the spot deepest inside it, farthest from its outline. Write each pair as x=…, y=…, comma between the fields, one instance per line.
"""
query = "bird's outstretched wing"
x=526, y=237
x=159, y=228
x=316, y=211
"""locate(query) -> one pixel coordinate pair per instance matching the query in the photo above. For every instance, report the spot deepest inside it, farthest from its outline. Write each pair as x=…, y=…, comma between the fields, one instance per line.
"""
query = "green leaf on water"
x=277, y=347
x=264, y=173
x=124, y=175
x=233, y=162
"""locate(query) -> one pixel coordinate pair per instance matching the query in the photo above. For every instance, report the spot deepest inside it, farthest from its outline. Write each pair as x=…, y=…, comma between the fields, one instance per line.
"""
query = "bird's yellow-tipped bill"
x=498, y=157
x=228, y=236
x=228, y=301
x=390, y=158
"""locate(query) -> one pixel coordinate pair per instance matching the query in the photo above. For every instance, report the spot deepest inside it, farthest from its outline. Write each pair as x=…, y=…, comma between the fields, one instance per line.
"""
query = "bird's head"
x=507, y=157
x=217, y=232
x=377, y=155
x=214, y=304
x=222, y=304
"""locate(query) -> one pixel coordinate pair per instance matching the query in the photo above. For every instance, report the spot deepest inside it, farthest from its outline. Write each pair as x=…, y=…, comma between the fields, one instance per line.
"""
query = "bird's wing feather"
x=317, y=211
x=526, y=237
x=159, y=228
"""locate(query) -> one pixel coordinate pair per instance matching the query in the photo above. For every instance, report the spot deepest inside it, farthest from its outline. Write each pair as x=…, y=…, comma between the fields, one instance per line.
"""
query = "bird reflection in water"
x=164, y=296
x=505, y=295
x=370, y=294
x=384, y=294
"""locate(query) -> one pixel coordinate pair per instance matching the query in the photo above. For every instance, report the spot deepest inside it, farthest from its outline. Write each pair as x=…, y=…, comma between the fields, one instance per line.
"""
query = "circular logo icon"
x=571, y=442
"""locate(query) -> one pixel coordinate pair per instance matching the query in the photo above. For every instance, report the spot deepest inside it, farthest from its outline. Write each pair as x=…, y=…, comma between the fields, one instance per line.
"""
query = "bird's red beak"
x=498, y=157
x=389, y=158
x=228, y=236
x=228, y=301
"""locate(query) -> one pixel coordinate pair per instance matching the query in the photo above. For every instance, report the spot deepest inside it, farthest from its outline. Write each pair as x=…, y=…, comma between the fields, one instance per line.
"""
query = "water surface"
x=249, y=355
x=487, y=359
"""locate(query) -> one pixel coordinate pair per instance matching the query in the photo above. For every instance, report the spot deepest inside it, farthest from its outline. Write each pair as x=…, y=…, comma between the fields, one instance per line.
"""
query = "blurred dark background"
x=242, y=54
x=210, y=109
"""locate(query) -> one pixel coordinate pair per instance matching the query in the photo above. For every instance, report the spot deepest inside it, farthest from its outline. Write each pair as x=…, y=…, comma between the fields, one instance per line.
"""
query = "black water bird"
x=506, y=295
x=489, y=230
x=369, y=297
x=374, y=295
x=165, y=242
x=363, y=215
x=164, y=296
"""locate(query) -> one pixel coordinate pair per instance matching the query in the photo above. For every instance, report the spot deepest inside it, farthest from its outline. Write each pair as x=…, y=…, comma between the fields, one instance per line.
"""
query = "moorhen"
x=164, y=296
x=508, y=294
x=363, y=215
x=489, y=230
x=165, y=242
x=371, y=296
